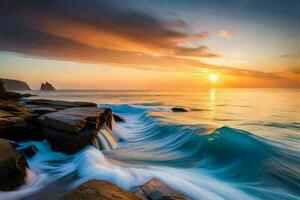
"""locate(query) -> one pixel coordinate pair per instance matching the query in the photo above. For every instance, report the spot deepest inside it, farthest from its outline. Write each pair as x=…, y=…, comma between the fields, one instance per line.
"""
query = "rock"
x=179, y=110
x=72, y=129
x=12, y=167
x=17, y=122
x=158, y=190
x=118, y=118
x=16, y=96
x=43, y=110
x=97, y=189
x=58, y=104
x=63, y=122
x=3, y=93
x=47, y=87
x=67, y=142
x=10, y=84
x=28, y=152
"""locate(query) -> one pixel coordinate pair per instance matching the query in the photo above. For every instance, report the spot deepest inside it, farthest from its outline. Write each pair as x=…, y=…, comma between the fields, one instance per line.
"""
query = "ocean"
x=231, y=144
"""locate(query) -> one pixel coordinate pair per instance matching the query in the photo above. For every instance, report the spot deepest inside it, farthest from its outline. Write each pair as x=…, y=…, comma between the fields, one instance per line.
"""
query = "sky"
x=151, y=44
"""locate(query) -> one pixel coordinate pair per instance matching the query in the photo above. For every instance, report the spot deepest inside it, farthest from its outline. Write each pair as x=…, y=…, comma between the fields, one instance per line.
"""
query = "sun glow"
x=213, y=78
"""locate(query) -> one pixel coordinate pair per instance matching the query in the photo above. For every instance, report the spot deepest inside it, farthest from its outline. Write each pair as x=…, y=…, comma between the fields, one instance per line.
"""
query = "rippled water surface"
x=232, y=144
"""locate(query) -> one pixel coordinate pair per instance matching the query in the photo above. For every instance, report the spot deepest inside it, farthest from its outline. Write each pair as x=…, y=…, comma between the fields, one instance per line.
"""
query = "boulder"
x=179, y=109
x=97, y=189
x=63, y=122
x=72, y=129
x=119, y=118
x=12, y=167
x=56, y=104
x=17, y=122
x=158, y=190
x=28, y=152
x=47, y=87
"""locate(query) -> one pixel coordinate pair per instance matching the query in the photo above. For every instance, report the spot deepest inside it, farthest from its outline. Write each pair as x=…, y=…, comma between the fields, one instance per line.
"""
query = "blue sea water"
x=232, y=144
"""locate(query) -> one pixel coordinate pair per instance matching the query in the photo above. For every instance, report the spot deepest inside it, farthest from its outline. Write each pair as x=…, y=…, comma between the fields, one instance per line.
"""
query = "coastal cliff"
x=10, y=84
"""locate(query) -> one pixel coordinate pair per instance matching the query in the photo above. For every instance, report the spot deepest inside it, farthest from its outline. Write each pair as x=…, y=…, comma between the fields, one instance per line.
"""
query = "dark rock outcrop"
x=56, y=104
x=11, y=95
x=119, y=118
x=28, y=152
x=47, y=87
x=12, y=167
x=17, y=122
x=158, y=190
x=16, y=96
x=3, y=93
x=179, y=109
x=72, y=129
x=10, y=84
x=97, y=189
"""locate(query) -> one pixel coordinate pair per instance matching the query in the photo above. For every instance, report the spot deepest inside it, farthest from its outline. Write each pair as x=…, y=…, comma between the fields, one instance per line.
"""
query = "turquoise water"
x=232, y=144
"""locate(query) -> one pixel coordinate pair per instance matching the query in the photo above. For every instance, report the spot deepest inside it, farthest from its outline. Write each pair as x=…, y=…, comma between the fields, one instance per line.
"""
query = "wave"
x=224, y=163
x=227, y=153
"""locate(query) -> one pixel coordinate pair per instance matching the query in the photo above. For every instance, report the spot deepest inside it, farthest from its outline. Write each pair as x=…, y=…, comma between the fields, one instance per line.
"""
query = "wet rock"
x=17, y=122
x=28, y=152
x=63, y=122
x=57, y=104
x=47, y=87
x=16, y=96
x=179, y=109
x=67, y=142
x=72, y=129
x=158, y=190
x=119, y=118
x=12, y=167
x=97, y=189
x=43, y=110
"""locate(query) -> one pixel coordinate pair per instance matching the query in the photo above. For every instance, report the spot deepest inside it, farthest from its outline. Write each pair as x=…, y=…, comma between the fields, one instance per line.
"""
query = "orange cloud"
x=107, y=34
x=225, y=33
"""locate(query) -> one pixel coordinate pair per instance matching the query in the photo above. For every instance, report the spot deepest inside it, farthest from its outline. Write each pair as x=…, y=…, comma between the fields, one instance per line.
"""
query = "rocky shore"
x=68, y=127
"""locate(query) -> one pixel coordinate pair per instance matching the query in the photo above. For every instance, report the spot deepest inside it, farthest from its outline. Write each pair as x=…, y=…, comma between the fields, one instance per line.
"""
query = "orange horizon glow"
x=143, y=50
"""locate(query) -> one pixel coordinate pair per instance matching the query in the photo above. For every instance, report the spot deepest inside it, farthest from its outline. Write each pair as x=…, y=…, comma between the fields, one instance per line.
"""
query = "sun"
x=213, y=78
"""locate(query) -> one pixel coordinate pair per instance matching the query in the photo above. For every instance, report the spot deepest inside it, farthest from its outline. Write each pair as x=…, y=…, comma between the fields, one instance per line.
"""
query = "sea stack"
x=47, y=87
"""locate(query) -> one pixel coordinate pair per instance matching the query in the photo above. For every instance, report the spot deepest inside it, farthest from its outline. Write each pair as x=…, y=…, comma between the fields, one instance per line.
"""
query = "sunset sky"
x=151, y=44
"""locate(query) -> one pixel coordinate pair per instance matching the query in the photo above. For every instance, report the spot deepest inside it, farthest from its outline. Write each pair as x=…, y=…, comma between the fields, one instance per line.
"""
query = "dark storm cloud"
x=109, y=16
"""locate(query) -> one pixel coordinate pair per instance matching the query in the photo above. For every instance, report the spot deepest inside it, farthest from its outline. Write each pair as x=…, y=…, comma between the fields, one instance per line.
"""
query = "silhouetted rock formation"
x=179, y=110
x=3, y=93
x=47, y=87
x=97, y=189
x=10, y=84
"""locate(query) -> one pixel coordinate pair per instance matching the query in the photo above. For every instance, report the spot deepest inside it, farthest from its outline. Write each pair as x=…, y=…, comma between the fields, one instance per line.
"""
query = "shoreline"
x=68, y=127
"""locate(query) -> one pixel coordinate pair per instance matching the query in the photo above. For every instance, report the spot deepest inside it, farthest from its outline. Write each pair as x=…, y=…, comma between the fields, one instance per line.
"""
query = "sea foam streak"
x=224, y=164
